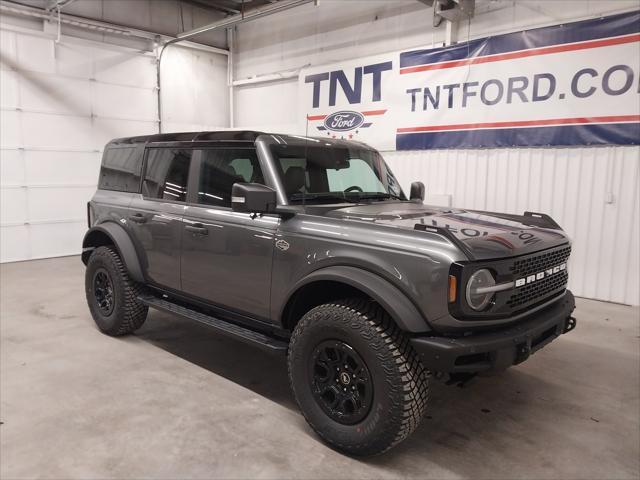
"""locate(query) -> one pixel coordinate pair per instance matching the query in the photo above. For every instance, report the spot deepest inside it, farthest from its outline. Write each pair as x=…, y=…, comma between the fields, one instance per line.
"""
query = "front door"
x=155, y=216
x=227, y=256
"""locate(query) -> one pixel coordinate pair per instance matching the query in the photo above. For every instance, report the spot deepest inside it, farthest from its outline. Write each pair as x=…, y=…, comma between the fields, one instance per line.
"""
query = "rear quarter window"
x=121, y=169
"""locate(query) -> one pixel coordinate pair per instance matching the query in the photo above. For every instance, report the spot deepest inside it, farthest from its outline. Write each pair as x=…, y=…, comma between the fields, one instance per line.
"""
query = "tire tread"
x=134, y=313
x=412, y=380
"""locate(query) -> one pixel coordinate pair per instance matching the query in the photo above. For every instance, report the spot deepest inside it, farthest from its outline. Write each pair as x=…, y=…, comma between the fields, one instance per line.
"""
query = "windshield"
x=314, y=174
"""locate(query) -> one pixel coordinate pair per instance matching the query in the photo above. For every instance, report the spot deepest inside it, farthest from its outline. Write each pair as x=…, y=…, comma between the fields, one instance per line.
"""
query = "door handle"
x=138, y=218
x=197, y=228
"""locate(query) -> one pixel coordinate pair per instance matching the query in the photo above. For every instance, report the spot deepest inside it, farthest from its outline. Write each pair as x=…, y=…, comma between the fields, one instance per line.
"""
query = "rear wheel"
x=355, y=377
x=111, y=295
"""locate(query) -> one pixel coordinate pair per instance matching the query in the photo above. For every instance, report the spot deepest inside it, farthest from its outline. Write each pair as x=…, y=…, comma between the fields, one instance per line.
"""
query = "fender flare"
x=123, y=243
x=393, y=300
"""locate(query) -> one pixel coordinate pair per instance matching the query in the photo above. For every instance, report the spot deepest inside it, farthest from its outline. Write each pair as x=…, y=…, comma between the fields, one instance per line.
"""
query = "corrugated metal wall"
x=592, y=192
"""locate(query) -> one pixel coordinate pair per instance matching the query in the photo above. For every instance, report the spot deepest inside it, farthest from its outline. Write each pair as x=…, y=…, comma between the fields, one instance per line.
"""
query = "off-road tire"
x=401, y=383
x=128, y=314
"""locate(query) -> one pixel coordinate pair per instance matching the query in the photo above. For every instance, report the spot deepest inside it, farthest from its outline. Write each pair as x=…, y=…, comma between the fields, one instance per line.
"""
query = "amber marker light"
x=453, y=293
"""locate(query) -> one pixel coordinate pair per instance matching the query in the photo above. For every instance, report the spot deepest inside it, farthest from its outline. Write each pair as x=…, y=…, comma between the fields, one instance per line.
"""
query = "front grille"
x=539, y=290
x=527, y=266
x=531, y=293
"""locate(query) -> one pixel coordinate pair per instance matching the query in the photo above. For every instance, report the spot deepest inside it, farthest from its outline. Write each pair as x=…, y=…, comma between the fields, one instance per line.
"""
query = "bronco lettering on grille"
x=534, y=277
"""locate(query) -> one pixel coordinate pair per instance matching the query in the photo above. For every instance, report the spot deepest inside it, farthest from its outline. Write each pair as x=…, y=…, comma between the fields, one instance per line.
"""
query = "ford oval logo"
x=343, y=121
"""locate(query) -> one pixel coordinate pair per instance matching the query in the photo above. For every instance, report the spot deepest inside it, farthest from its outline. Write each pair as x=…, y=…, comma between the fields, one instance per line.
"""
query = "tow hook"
x=523, y=351
x=570, y=325
x=460, y=379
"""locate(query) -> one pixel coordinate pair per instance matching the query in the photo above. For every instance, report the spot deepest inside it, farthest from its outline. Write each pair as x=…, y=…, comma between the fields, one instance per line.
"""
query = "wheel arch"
x=113, y=234
x=337, y=282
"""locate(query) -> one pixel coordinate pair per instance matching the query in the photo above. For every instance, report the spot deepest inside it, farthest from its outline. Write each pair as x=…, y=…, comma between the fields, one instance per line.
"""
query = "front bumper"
x=499, y=349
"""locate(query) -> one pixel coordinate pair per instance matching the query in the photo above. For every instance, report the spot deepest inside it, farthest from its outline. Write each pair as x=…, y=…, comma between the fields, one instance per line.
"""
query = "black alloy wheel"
x=341, y=382
x=103, y=291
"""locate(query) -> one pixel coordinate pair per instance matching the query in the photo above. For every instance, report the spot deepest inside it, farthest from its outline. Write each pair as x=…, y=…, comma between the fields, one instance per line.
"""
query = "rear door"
x=226, y=256
x=156, y=215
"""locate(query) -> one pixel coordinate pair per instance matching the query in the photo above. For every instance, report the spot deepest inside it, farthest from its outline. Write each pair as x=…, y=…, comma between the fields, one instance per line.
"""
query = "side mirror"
x=417, y=192
x=253, y=198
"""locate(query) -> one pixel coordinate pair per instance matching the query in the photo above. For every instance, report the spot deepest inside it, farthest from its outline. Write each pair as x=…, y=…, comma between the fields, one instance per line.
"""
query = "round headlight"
x=477, y=295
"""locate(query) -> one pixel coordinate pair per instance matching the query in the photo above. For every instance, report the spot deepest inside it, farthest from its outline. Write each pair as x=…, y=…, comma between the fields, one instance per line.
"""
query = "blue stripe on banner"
x=622, y=24
x=595, y=134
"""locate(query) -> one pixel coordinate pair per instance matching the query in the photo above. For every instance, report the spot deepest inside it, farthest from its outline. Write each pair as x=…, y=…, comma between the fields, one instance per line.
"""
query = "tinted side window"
x=166, y=173
x=220, y=169
x=120, y=169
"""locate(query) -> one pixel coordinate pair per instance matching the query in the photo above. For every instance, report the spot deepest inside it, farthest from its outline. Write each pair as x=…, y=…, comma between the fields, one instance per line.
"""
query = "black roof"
x=220, y=136
x=233, y=136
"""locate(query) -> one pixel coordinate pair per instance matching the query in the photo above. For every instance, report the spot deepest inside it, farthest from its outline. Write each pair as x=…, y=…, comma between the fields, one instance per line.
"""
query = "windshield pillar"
x=269, y=171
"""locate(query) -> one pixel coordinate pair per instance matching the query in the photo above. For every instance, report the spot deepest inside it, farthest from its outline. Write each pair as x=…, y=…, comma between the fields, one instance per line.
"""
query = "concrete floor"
x=175, y=400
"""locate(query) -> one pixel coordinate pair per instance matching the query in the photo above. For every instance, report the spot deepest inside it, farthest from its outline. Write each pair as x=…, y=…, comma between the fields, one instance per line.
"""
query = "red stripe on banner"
x=523, y=123
x=569, y=47
x=368, y=113
x=374, y=112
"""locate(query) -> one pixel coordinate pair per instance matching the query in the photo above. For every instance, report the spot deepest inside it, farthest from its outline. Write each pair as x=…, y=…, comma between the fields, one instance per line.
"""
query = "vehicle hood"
x=482, y=235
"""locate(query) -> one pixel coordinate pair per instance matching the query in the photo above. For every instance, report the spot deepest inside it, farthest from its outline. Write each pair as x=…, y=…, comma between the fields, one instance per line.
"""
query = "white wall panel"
x=10, y=132
x=118, y=101
x=52, y=94
x=106, y=129
x=55, y=239
x=14, y=243
x=36, y=54
x=74, y=60
x=59, y=168
x=60, y=104
x=12, y=168
x=52, y=203
x=8, y=89
x=7, y=49
x=112, y=66
x=56, y=132
x=274, y=104
x=187, y=101
x=13, y=205
x=573, y=185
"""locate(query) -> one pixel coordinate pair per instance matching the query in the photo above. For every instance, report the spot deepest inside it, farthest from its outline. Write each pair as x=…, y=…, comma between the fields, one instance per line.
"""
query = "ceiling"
x=229, y=7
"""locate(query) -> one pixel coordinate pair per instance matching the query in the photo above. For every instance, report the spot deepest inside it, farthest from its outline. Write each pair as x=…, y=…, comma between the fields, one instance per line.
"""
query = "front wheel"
x=357, y=380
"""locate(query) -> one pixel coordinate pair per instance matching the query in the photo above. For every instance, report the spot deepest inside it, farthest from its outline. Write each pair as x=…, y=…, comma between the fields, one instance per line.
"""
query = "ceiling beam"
x=212, y=6
x=58, y=4
x=252, y=14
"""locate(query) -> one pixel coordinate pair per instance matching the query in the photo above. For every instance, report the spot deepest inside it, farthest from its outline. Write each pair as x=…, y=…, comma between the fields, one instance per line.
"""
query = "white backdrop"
x=60, y=103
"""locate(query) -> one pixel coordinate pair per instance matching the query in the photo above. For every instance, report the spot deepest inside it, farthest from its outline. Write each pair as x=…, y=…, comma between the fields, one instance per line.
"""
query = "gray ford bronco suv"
x=309, y=247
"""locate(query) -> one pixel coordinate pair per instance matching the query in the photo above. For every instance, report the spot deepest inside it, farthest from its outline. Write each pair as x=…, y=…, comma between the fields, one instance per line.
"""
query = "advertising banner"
x=572, y=84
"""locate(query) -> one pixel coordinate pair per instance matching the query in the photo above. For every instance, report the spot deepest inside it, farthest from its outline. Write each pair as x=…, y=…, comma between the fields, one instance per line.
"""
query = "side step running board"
x=230, y=329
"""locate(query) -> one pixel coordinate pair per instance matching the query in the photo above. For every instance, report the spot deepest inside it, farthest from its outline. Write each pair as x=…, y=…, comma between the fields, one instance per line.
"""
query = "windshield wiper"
x=298, y=197
x=379, y=196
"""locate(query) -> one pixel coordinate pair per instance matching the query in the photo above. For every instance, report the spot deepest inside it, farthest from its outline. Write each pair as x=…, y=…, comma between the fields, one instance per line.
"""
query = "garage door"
x=61, y=102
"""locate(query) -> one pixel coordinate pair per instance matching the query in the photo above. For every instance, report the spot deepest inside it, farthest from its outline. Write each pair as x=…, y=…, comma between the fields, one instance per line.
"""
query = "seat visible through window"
x=220, y=169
